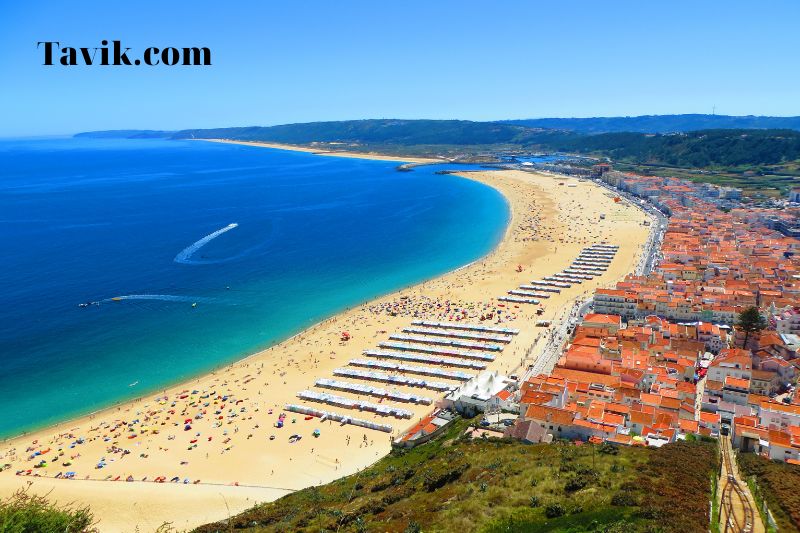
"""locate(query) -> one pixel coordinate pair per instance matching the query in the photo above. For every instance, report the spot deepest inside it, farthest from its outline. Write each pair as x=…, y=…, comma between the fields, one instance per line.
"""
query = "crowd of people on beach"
x=425, y=307
x=199, y=421
x=230, y=410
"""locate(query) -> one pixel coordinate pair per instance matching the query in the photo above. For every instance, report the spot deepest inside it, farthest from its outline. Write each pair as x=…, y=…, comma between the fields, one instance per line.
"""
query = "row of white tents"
x=413, y=347
x=423, y=350
x=350, y=403
x=344, y=419
x=425, y=359
x=412, y=369
x=465, y=326
x=360, y=388
x=592, y=261
x=422, y=339
x=459, y=334
x=392, y=378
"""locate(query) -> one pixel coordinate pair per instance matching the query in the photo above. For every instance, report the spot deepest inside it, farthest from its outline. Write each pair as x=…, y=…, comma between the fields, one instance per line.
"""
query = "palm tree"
x=750, y=321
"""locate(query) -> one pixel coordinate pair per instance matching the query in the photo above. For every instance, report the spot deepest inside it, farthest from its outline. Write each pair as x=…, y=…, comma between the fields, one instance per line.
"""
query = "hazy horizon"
x=123, y=128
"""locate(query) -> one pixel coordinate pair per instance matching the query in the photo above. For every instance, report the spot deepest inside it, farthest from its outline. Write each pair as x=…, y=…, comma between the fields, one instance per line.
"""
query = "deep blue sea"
x=265, y=243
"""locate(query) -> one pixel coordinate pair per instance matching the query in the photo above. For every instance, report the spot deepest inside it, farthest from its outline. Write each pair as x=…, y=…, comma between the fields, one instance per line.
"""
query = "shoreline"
x=329, y=153
x=535, y=236
x=241, y=358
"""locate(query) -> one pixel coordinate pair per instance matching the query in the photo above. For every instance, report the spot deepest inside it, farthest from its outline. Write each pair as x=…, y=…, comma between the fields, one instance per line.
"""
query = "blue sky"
x=299, y=61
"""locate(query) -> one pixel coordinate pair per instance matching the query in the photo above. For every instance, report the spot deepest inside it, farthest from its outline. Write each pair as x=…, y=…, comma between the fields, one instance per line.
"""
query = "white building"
x=787, y=320
x=615, y=302
x=479, y=394
x=731, y=364
x=776, y=415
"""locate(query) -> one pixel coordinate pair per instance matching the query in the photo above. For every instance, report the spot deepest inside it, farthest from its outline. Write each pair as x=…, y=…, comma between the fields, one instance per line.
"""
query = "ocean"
x=189, y=255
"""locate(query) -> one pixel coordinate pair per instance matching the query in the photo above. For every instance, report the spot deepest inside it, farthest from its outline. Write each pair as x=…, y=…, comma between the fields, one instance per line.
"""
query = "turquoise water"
x=265, y=242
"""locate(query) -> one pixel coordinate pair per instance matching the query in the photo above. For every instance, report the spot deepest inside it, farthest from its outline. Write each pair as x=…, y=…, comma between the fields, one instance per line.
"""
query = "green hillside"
x=776, y=483
x=659, y=123
x=384, y=131
x=499, y=485
x=126, y=134
x=698, y=149
x=761, y=161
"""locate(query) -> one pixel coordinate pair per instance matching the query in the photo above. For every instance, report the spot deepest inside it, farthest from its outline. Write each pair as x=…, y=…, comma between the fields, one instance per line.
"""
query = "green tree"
x=750, y=321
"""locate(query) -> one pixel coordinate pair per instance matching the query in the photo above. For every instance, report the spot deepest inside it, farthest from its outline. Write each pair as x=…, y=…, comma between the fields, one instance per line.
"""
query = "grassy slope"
x=450, y=485
x=778, y=484
x=26, y=513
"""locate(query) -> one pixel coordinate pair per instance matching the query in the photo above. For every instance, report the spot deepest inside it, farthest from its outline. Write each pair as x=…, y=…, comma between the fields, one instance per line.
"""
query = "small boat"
x=116, y=299
x=194, y=304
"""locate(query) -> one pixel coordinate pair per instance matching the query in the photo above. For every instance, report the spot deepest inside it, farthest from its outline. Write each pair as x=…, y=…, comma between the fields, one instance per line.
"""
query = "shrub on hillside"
x=23, y=512
x=777, y=482
x=554, y=510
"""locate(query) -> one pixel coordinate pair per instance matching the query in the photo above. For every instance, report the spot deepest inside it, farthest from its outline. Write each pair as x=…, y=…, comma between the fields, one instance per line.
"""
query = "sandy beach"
x=213, y=433
x=325, y=150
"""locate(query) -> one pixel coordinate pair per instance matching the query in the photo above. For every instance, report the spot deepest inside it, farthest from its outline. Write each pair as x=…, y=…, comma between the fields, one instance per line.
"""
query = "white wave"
x=186, y=254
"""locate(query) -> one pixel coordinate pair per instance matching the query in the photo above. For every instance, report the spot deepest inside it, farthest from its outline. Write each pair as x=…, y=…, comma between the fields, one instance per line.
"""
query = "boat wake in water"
x=161, y=297
x=186, y=254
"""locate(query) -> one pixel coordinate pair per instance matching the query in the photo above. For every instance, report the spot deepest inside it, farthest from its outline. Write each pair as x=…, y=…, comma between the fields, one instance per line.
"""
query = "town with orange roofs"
x=665, y=354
